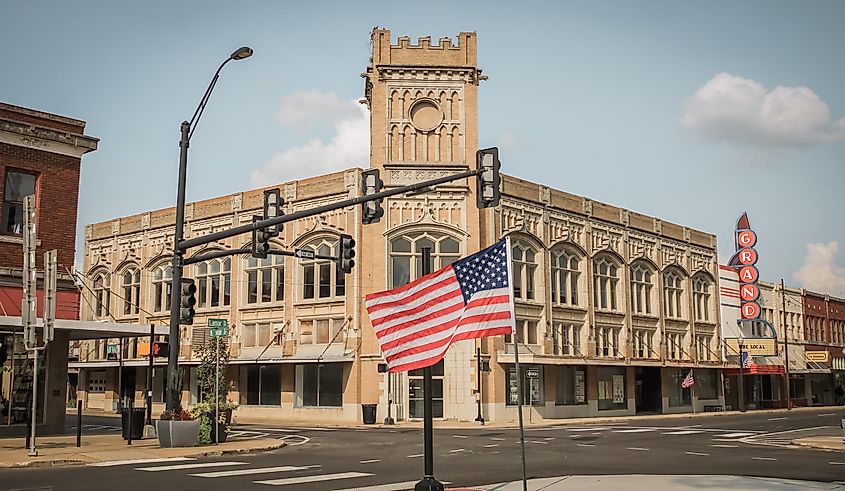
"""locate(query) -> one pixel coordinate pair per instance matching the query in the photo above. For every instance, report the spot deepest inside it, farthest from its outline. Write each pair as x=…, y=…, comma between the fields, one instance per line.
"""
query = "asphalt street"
x=384, y=459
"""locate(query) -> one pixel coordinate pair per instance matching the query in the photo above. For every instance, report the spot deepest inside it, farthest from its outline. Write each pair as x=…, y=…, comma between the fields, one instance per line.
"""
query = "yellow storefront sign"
x=754, y=347
x=818, y=356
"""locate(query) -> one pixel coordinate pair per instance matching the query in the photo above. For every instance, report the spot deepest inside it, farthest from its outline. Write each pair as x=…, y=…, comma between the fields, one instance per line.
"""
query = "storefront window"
x=532, y=386
x=263, y=385
x=571, y=385
x=678, y=396
x=319, y=384
x=416, y=393
x=706, y=383
x=611, y=388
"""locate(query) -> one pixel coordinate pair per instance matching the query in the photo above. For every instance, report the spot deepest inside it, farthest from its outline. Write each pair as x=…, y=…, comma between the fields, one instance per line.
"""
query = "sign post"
x=218, y=328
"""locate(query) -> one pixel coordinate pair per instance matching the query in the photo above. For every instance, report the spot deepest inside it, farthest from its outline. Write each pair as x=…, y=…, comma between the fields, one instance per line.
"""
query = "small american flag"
x=746, y=360
x=689, y=381
x=472, y=298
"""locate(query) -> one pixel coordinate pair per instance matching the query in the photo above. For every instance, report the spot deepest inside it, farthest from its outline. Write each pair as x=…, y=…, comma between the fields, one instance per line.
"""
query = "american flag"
x=688, y=381
x=471, y=298
x=746, y=360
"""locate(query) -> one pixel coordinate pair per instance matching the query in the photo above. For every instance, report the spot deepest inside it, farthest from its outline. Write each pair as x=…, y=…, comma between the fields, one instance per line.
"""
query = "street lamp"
x=187, y=130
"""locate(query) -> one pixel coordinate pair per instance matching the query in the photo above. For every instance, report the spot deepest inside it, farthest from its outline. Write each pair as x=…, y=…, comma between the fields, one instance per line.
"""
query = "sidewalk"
x=653, y=483
x=823, y=442
x=62, y=450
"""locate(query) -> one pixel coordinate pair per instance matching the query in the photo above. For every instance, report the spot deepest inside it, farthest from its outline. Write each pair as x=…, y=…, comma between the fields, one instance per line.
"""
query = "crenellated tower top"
x=423, y=53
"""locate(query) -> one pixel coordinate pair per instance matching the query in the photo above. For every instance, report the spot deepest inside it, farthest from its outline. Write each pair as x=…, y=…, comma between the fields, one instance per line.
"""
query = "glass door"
x=416, y=399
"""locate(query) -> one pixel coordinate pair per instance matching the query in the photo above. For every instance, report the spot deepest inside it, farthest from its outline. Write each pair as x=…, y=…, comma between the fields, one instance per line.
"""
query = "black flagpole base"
x=429, y=483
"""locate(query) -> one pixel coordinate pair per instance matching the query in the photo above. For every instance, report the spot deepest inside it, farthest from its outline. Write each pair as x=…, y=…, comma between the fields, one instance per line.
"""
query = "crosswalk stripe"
x=733, y=435
x=187, y=466
x=139, y=461
x=396, y=486
x=635, y=430
x=260, y=470
x=587, y=429
x=316, y=478
x=684, y=432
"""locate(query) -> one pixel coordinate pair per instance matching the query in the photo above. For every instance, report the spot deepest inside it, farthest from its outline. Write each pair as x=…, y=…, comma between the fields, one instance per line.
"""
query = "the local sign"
x=303, y=253
x=754, y=347
x=818, y=356
x=218, y=327
x=744, y=260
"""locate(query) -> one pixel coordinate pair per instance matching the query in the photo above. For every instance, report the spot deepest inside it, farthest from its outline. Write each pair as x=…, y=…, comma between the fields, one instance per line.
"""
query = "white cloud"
x=820, y=273
x=509, y=140
x=348, y=147
x=741, y=110
x=305, y=110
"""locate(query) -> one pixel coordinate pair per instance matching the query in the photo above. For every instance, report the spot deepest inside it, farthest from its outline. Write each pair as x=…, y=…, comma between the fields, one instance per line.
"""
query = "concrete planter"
x=177, y=433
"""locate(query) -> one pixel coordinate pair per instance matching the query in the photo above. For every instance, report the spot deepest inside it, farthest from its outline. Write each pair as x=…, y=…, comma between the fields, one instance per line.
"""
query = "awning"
x=126, y=363
x=348, y=358
x=79, y=330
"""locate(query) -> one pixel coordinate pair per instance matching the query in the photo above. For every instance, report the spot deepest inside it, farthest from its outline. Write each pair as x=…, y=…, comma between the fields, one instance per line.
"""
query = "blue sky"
x=619, y=101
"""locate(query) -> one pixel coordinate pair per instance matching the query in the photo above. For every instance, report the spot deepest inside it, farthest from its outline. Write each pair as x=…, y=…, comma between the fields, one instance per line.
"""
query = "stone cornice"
x=45, y=139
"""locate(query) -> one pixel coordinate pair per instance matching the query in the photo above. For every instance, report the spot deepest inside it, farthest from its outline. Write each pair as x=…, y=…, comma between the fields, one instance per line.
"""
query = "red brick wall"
x=67, y=302
x=57, y=193
x=814, y=306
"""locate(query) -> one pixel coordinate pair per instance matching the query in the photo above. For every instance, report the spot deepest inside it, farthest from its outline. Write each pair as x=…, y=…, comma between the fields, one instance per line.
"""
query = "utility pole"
x=787, y=389
x=741, y=377
x=32, y=340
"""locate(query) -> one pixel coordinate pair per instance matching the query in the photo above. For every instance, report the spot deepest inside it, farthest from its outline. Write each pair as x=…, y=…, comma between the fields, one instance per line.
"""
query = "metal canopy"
x=79, y=330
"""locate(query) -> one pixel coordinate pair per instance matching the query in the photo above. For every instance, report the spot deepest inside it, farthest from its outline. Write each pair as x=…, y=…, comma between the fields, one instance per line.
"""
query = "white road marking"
x=776, y=419
x=587, y=429
x=586, y=445
x=396, y=486
x=371, y=461
x=638, y=449
x=187, y=466
x=684, y=432
x=281, y=430
x=576, y=436
x=497, y=439
x=697, y=453
x=459, y=436
x=725, y=446
x=139, y=461
x=540, y=442
x=549, y=438
x=635, y=430
x=827, y=414
x=734, y=435
x=259, y=470
x=318, y=429
x=491, y=445
x=316, y=478
x=415, y=455
x=836, y=463
x=762, y=458
x=456, y=450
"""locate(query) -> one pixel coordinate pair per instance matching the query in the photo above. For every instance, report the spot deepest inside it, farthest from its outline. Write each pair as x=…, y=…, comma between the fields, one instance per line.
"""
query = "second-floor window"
x=605, y=275
x=406, y=255
x=642, y=343
x=320, y=331
x=101, y=295
x=131, y=291
x=641, y=289
x=564, y=278
x=674, y=345
x=674, y=291
x=703, y=342
x=701, y=298
x=607, y=341
x=18, y=186
x=265, y=280
x=320, y=277
x=524, y=269
x=566, y=339
x=162, y=281
x=214, y=283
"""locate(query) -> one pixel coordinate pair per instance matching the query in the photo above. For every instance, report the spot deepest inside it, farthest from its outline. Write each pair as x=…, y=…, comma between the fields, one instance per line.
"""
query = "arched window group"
x=605, y=278
x=641, y=286
x=673, y=293
x=320, y=277
x=524, y=268
x=161, y=291
x=406, y=254
x=565, y=274
x=214, y=283
x=102, y=297
x=265, y=279
x=131, y=291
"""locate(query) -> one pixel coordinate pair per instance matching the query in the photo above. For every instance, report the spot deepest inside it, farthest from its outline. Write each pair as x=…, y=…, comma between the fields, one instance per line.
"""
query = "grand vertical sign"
x=745, y=259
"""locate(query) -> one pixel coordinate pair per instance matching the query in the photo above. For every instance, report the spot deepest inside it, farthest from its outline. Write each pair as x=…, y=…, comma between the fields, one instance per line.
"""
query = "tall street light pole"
x=187, y=130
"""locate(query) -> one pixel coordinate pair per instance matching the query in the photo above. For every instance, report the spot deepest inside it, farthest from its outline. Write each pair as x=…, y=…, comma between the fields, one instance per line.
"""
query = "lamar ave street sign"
x=754, y=347
x=218, y=327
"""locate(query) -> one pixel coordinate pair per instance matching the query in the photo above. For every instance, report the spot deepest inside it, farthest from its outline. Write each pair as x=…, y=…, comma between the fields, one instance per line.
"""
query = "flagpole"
x=692, y=390
x=516, y=363
x=428, y=483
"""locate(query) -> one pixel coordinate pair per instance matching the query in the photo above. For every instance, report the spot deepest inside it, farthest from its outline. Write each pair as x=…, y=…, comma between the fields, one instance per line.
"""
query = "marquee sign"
x=744, y=259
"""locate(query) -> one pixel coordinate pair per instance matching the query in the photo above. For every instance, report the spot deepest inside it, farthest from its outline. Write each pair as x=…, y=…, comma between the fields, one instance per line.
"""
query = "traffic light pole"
x=149, y=397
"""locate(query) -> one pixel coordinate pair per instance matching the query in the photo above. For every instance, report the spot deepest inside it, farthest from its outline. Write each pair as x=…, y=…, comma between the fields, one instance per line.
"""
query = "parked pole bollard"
x=129, y=415
x=79, y=423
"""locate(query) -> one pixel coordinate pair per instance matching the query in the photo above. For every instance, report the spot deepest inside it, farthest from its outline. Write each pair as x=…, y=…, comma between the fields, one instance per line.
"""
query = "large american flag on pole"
x=471, y=298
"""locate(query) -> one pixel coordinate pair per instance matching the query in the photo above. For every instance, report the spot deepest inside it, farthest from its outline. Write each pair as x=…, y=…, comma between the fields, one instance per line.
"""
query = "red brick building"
x=40, y=154
x=824, y=330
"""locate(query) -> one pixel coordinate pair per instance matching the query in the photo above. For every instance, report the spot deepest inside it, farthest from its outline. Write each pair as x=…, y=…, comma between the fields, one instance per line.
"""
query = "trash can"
x=138, y=417
x=369, y=411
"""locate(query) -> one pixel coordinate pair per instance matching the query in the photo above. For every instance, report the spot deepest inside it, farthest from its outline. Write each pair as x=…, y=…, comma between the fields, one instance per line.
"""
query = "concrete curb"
x=816, y=445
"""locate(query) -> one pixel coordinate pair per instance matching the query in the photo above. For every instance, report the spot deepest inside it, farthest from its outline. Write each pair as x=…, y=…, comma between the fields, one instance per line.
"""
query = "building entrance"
x=648, y=395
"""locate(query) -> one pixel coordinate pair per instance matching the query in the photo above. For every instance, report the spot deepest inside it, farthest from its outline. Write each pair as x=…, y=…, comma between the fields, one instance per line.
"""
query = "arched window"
x=265, y=280
x=214, y=283
x=131, y=291
x=605, y=279
x=321, y=277
x=674, y=290
x=406, y=255
x=162, y=281
x=641, y=286
x=701, y=298
x=101, y=295
x=524, y=269
x=565, y=277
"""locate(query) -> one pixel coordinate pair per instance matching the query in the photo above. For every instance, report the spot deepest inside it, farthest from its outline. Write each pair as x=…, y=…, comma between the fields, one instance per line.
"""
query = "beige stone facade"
x=613, y=307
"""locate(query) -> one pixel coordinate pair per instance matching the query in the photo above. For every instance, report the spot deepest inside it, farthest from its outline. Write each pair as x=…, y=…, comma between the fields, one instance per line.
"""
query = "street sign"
x=754, y=347
x=112, y=349
x=818, y=356
x=303, y=253
x=532, y=373
x=218, y=327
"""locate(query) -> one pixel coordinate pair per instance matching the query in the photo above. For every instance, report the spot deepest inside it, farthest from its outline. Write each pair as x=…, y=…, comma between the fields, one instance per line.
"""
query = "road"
x=754, y=444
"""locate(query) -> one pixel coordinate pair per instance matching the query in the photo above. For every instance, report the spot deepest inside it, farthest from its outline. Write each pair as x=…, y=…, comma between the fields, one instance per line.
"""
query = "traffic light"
x=187, y=296
x=489, y=179
x=345, y=263
x=372, y=184
x=273, y=203
x=260, y=240
x=160, y=348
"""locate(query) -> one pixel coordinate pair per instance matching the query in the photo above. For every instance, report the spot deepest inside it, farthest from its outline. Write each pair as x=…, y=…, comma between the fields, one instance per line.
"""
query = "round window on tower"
x=425, y=114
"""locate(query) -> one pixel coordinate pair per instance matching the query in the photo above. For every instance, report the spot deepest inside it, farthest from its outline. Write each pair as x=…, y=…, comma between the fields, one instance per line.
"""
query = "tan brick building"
x=613, y=307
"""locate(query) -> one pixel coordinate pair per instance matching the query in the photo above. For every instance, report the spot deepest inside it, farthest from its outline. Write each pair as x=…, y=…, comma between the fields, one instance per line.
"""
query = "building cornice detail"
x=45, y=140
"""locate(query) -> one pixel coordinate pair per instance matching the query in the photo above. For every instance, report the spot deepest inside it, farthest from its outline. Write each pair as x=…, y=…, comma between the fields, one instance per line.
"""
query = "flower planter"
x=177, y=433
x=221, y=427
